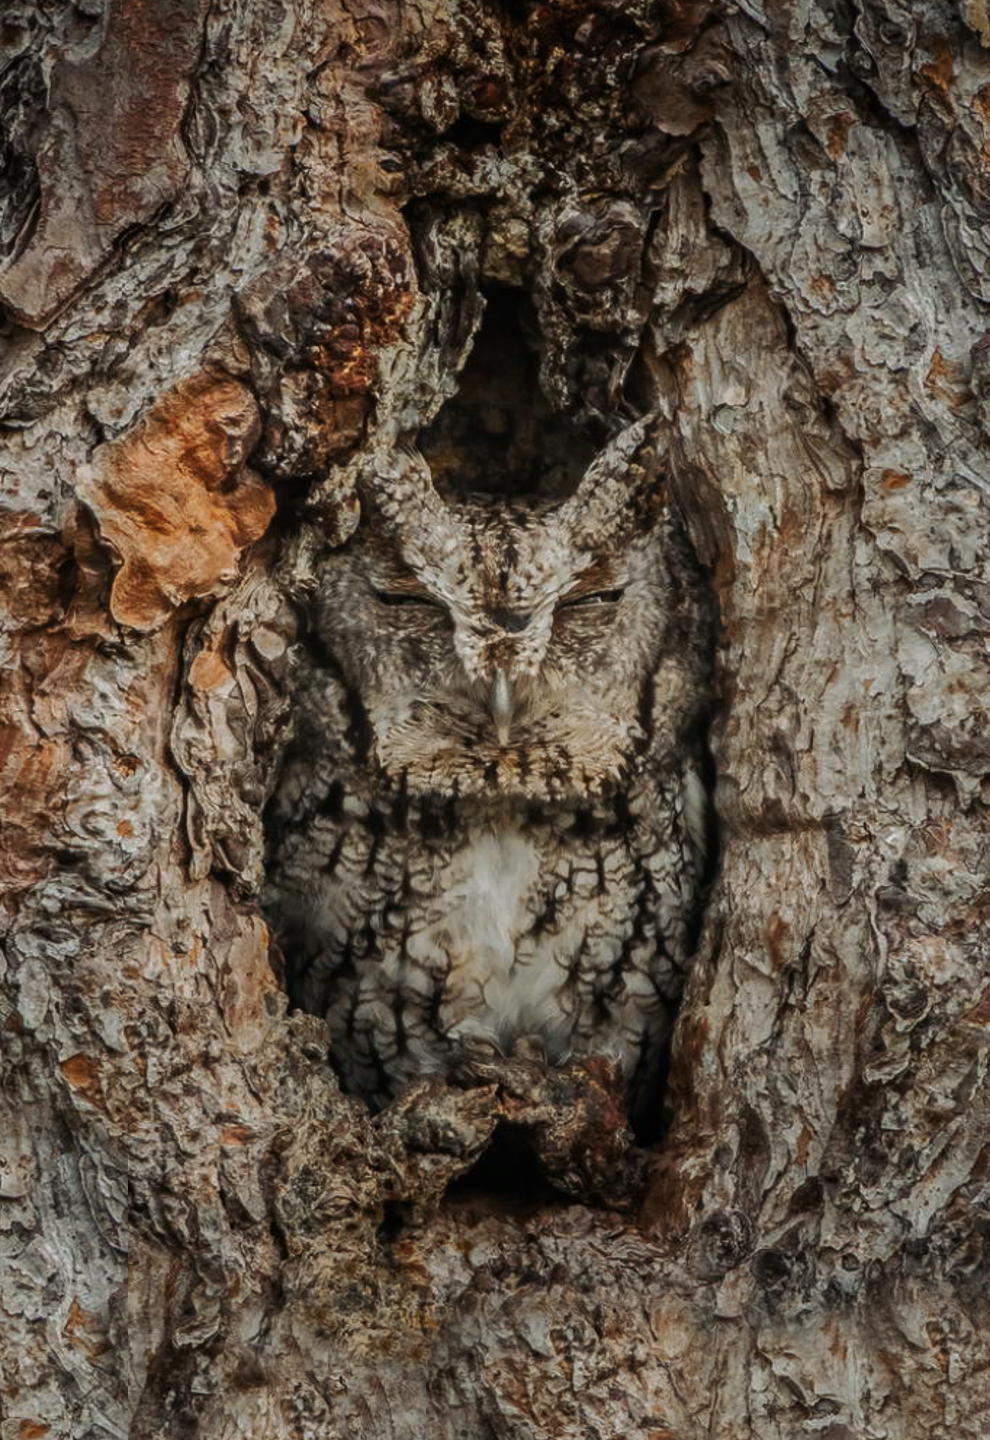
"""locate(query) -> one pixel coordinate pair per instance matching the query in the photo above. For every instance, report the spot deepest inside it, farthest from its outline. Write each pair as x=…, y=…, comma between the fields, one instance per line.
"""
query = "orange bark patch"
x=249, y=984
x=939, y=70
x=793, y=524
x=946, y=380
x=32, y=1429
x=83, y=1075
x=894, y=480
x=803, y=1145
x=29, y=570
x=934, y=1331
x=39, y=673
x=835, y=1340
x=236, y=1134
x=837, y=133
x=822, y=285
x=84, y=1331
x=32, y=774
x=833, y=380
x=209, y=671
x=173, y=499
x=849, y=719
x=778, y=931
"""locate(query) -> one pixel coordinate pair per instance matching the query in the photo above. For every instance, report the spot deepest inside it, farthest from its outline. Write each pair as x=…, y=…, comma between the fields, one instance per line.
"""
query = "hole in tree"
x=518, y=11
x=508, y=1173
x=498, y=435
x=395, y=1217
x=469, y=133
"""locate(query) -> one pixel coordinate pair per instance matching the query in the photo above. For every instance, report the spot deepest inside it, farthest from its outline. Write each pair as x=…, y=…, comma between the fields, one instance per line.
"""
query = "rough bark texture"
x=245, y=246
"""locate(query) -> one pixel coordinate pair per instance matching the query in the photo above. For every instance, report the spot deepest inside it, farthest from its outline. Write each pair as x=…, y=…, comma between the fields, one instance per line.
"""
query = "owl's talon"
x=470, y=1074
x=518, y=1080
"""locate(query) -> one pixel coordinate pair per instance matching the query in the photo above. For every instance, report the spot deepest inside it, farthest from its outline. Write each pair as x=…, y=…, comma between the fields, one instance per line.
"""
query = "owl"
x=489, y=834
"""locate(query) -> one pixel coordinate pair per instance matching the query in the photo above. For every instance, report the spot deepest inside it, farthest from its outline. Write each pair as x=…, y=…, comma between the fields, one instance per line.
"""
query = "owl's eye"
x=597, y=597
x=404, y=597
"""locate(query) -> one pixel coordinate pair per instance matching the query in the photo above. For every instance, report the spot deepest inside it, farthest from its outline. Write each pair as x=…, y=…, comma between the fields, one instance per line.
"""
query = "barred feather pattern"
x=489, y=833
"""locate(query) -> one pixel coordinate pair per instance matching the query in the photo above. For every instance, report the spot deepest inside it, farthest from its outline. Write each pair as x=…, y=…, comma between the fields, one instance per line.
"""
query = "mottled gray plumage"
x=489, y=832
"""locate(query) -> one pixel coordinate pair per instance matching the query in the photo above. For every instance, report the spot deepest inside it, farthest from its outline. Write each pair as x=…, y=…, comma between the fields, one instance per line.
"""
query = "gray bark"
x=244, y=244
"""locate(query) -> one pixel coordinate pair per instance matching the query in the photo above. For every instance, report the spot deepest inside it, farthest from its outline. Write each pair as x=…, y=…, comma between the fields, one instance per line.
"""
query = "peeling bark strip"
x=240, y=241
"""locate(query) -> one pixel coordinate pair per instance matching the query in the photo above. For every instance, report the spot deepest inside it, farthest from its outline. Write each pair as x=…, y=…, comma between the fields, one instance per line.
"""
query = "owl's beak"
x=500, y=704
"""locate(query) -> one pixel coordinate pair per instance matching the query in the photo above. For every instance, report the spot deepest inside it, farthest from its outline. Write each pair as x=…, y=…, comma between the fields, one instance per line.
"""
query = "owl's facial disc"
x=500, y=660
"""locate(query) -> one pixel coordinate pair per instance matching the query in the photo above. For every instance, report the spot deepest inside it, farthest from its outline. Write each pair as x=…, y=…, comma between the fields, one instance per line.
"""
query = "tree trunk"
x=244, y=244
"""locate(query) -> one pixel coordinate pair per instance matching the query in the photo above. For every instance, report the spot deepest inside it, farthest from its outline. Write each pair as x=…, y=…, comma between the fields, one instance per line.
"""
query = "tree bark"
x=244, y=245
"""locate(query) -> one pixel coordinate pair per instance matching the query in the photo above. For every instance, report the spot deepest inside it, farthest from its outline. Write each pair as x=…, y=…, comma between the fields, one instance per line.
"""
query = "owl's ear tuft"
x=397, y=489
x=390, y=487
x=624, y=490
x=335, y=508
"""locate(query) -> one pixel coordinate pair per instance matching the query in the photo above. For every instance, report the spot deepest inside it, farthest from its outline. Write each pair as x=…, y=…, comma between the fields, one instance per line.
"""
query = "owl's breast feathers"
x=425, y=926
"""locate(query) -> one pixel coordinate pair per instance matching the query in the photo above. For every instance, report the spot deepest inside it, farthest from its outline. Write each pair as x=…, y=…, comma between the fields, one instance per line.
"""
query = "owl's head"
x=506, y=650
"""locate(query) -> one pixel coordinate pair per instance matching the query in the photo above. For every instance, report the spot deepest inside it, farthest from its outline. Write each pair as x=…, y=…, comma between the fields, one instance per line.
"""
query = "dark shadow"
x=469, y=133
x=508, y=1175
x=498, y=435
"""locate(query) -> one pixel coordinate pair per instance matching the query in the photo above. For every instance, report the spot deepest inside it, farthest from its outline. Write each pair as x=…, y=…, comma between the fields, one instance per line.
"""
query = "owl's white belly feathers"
x=486, y=897
x=501, y=932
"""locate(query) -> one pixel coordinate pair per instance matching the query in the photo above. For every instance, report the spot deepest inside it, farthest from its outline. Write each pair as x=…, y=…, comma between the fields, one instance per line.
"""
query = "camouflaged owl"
x=489, y=835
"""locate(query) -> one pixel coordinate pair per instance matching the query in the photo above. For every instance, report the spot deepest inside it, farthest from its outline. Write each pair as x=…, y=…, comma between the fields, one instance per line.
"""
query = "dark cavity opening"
x=498, y=435
x=395, y=1217
x=509, y=1174
x=469, y=133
